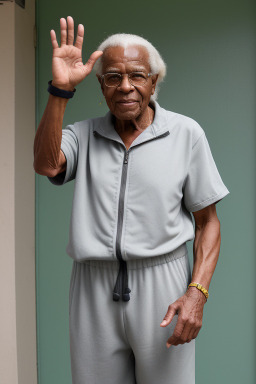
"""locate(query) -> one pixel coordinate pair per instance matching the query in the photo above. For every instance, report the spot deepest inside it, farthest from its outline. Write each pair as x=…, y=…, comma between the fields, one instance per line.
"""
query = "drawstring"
x=121, y=286
x=126, y=289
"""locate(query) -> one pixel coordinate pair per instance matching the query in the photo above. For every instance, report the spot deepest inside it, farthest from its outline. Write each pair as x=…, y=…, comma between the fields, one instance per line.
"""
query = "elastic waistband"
x=141, y=262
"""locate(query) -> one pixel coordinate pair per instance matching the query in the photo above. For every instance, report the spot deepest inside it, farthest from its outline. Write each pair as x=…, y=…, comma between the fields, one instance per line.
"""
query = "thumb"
x=169, y=316
x=91, y=61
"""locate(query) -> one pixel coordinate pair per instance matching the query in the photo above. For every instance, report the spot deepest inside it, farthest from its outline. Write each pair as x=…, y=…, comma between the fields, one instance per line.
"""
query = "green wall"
x=209, y=48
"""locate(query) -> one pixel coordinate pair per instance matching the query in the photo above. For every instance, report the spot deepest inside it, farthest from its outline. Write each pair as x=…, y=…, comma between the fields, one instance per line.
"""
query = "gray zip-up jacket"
x=136, y=203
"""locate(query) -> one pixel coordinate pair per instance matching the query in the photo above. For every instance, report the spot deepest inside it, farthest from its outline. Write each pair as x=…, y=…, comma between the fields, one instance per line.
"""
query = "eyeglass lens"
x=135, y=78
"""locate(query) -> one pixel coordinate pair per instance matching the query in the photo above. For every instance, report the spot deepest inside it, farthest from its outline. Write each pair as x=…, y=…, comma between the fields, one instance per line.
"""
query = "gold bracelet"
x=201, y=288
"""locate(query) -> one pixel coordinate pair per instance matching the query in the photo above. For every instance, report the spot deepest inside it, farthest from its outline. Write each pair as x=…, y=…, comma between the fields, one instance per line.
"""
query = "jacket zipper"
x=122, y=193
x=121, y=210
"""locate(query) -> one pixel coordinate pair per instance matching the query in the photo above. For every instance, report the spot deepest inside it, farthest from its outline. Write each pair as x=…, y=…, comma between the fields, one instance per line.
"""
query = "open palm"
x=68, y=69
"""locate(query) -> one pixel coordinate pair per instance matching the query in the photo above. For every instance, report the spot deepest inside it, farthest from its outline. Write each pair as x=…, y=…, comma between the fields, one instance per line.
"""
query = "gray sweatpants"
x=114, y=342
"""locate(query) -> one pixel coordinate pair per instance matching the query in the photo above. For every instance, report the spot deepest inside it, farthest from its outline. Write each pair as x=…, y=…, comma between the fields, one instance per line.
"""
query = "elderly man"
x=140, y=171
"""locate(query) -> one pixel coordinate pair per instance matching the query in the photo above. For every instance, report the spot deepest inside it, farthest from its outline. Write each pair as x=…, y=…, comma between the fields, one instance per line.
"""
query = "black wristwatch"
x=60, y=92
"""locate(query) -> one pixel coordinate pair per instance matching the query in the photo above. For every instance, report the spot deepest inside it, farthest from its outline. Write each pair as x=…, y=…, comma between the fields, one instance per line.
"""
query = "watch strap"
x=201, y=288
x=60, y=92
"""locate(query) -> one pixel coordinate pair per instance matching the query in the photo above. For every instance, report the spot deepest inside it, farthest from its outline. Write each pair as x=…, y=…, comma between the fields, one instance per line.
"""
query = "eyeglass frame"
x=121, y=75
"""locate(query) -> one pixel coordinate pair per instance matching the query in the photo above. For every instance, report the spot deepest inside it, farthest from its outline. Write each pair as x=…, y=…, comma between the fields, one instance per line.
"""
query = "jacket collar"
x=158, y=127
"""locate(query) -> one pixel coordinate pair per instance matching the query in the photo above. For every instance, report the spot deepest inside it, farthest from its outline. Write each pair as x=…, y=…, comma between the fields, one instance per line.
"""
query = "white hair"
x=157, y=64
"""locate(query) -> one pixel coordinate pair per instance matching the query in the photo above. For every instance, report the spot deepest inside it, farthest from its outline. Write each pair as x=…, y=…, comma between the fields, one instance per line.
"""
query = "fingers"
x=80, y=36
x=175, y=338
x=92, y=60
x=172, y=309
x=186, y=329
x=63, y=31
x=67, y=32
x=185, y=333
x=70, y=30
x=191, y=335
x=196, y=331
x=54, y=39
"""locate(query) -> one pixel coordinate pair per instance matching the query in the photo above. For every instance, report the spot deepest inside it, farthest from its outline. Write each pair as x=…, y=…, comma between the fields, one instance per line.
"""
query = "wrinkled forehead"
x=133, y=55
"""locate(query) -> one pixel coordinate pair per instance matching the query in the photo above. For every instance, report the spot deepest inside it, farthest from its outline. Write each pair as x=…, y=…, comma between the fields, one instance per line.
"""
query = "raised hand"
x=68, y=69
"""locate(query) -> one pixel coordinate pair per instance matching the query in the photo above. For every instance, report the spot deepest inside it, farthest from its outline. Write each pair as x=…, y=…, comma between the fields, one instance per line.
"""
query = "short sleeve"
x=203, y=185
x=69, y=146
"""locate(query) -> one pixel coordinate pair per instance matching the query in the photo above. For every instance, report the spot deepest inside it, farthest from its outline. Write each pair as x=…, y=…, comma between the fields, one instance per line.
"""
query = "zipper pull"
x=126, y=157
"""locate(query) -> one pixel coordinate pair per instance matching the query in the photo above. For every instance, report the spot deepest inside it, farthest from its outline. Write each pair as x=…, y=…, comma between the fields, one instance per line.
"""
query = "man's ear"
x=101, y=83
x=154, y=81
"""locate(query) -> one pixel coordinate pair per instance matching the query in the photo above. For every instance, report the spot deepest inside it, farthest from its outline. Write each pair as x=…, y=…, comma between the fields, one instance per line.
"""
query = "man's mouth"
x=127, y=102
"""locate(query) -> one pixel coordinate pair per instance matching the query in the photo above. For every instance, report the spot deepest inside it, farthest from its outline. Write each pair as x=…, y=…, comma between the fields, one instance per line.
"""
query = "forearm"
x=47, y=141
x=206, y=250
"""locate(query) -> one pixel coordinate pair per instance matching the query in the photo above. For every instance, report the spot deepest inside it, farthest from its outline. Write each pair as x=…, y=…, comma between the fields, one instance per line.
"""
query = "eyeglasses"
x=137, y=79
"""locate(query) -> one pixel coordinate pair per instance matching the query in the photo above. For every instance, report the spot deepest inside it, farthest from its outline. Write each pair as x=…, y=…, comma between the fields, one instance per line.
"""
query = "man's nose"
x=125, y=84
